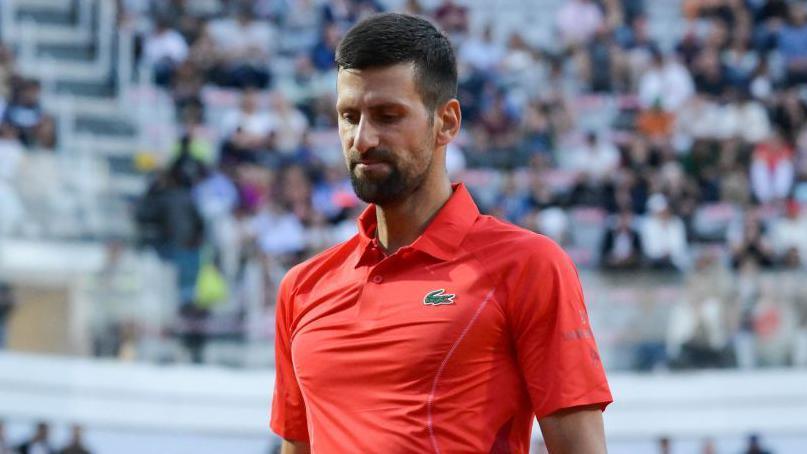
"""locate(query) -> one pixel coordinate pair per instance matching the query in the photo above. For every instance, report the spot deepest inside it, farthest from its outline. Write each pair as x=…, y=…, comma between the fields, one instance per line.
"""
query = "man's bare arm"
x=577, y=430
x=295, y=447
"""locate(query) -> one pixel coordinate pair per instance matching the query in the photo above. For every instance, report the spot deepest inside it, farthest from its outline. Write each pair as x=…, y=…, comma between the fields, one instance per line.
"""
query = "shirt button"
x=377, y=279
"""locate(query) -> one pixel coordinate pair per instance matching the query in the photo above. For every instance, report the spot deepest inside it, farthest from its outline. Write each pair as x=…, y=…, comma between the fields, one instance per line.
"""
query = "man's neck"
x=400, y=224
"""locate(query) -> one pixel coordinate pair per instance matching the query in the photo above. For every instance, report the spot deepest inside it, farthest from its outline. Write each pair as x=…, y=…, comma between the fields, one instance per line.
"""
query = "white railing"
x=236, y=402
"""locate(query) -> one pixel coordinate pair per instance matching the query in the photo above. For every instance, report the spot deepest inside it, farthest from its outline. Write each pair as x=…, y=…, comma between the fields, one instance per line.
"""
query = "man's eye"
x=350, y=118
x=388, y=118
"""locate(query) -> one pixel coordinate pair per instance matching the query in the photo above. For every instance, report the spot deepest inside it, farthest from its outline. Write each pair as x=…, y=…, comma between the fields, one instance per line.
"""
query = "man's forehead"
x=389, y=84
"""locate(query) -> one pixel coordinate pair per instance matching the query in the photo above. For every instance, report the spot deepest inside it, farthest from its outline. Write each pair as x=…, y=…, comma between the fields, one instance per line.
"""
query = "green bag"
x=211, y=286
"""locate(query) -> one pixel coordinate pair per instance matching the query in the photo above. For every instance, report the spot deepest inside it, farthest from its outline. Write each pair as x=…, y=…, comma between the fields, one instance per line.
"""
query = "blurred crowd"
x=39, y=442
x=25, y=127
x=636, y=155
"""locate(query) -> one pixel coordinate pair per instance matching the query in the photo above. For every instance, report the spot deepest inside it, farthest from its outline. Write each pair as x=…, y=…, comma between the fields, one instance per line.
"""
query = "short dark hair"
x=391, y=38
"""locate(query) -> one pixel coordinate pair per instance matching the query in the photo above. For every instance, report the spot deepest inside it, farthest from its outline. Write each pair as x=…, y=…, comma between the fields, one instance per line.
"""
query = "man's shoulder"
x=320, y=264
x=492, y=238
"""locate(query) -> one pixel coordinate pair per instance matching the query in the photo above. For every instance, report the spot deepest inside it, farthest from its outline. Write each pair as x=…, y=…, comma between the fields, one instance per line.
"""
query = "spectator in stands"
x=577, y=21
x=7, y=304
x=511, y=203
x=482, y=52
x=793, y=45
x=594, y=163
x=639, y=47
x=750, y=242
x=39, y=443
x=666, y=84
x=324, y=52
x=163, y=50
x=288, y=123
x=740, y=61
x=341, y=13
x=789, y=236
x=170, y=222
x=76, y=444
x=664, y=236
x=774, y=322
x=278, y=233
x=800, y=340
x=11, y=158
x=697, y=333
x=602, y=62
x=761, y=85
x=621, y=247
x=453, y=18
x=790, y=114
x=243, y=47
x=746, y=119
x=709, y=74
x=304, y=86
x=24, y=112
x=248, y=132
x=6, y=74
x=708, y=447
x=772, y=169
x=754, y=446
x=498, y=127
x=664, y=446
x=537, y=132
x=4, y=446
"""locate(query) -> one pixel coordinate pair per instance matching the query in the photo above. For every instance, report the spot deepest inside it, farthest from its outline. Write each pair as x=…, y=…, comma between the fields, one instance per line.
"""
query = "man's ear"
x=448, y=121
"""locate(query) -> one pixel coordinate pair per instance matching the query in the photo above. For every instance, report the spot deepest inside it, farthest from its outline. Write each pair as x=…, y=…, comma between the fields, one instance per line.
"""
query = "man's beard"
x=391, y=188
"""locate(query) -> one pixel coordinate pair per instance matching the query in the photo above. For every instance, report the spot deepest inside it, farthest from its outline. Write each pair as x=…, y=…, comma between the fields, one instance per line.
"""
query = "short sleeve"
x=554, y=342
x=288, y=408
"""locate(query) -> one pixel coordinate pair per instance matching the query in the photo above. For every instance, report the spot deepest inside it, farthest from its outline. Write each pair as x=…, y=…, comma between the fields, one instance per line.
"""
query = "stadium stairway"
x=73, y=47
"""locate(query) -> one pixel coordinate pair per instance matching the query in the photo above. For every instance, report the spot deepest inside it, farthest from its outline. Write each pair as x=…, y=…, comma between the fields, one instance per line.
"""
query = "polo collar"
x=442, y=236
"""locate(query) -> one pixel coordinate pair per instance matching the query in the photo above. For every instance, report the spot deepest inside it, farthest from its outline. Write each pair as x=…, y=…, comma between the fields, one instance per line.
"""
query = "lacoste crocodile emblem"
x=438, y=297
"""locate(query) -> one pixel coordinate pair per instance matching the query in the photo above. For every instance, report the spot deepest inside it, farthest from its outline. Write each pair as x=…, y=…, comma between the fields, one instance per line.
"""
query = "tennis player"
x=435, y=328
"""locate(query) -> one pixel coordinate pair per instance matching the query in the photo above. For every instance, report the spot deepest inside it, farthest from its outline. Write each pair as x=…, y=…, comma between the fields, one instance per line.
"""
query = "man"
x=76, y=445
x=434, y=329
x=39, y=443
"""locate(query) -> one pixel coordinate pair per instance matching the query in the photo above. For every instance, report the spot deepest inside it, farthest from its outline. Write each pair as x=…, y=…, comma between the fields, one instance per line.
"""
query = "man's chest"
x=395, y=329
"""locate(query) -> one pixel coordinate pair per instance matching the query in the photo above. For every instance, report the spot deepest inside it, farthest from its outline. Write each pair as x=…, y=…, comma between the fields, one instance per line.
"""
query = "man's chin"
x=374, y=190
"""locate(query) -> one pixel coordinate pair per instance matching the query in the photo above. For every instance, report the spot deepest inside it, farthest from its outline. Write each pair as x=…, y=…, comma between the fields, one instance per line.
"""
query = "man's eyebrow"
x=379, y=105
x=388, y=105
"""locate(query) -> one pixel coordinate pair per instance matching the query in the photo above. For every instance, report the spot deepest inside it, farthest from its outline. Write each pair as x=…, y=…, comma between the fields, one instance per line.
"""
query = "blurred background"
x=164, y=162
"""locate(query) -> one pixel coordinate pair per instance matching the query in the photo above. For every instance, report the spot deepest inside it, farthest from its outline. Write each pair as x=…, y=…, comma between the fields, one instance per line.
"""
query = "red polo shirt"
x=452, y=344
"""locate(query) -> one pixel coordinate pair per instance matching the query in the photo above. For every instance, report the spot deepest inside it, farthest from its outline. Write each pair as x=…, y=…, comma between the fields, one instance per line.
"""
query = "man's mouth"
x=367, y=165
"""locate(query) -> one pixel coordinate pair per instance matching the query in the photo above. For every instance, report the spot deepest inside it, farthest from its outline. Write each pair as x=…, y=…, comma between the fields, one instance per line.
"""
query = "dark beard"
x=393, y=188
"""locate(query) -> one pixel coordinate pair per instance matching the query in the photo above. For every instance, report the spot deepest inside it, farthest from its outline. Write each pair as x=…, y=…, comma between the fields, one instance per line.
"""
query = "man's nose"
x=366, y=136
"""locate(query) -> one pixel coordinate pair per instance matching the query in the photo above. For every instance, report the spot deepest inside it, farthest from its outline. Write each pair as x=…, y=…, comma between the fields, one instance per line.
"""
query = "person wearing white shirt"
x=666, y=81
x=39, y=443
x=789, y=235
x=163, y=50
x=278, y=232
x=578, y=20
x=664, y=236
x=248, y=130
x=482, y=53
x=243, y=46
x=290, y=125
x=596, y=159
x=11, y=157
x=746, y=119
